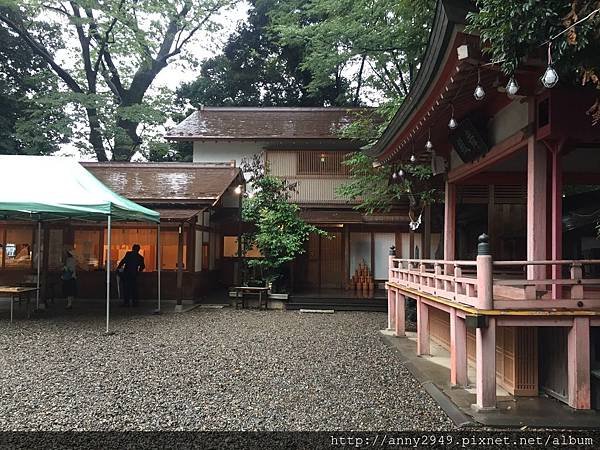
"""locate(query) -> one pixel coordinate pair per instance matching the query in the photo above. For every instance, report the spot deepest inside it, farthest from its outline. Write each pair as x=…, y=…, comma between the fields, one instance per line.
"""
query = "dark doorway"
x=553, y=361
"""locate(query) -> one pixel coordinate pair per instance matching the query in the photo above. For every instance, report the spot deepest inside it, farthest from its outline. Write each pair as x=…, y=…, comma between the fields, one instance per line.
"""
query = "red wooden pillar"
x=486, y=365
x=426, y=236
x=556, y=218
x=579, y=364
x=422, y=328
x=400, y=320
x=391, y=308
x=450, y=226
x=536, y=207
x=458, y=350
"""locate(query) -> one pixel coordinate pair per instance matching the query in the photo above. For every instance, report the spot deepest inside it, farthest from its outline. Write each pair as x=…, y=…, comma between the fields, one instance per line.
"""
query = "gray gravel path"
x=208, y=370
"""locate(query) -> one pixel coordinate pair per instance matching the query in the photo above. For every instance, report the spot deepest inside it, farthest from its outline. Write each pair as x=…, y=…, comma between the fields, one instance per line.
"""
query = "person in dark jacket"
x=129, y=267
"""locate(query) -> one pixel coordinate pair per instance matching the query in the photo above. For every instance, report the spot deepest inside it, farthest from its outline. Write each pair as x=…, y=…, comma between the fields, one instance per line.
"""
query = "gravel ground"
x=208, y=370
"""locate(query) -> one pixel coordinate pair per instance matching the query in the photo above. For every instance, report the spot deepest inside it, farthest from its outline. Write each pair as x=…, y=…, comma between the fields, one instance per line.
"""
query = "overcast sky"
x=207, y=45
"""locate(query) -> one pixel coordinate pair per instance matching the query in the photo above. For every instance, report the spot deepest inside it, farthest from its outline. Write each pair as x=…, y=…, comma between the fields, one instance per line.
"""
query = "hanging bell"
x=452, y=124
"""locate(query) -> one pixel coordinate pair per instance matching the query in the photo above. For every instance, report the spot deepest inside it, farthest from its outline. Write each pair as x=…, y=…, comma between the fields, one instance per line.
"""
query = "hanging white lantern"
x=413, y=158
x=401, y=173
x=452, y=124
x=550, y=77
x=512, y=87
x=479, y=93
x=429, y=144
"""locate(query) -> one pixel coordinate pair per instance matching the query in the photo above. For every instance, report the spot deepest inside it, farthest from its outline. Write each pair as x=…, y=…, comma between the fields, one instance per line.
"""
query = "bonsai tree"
x=277, y=232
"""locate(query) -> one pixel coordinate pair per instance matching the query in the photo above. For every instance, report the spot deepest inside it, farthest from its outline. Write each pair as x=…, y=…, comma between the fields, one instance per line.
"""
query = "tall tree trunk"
x=95, y=135
x=127, y=141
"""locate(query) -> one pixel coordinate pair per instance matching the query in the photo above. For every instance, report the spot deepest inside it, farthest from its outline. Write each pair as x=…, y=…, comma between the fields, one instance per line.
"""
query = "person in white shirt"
x=69, y=278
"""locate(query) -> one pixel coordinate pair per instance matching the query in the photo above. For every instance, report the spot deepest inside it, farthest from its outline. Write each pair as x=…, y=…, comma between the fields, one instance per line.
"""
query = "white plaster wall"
x=508, y=121
x=223, y=151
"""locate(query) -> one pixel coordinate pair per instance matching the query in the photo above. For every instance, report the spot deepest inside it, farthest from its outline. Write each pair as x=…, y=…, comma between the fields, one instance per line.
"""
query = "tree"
x=255, y=69
x=377, y=45
x=514, y=30
x=31, y=117
x=121, y=47
x=278, y=231
x=379, y=188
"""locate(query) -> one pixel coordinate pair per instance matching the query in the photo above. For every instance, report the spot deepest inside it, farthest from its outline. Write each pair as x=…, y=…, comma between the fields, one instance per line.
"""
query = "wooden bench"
x=242, y=291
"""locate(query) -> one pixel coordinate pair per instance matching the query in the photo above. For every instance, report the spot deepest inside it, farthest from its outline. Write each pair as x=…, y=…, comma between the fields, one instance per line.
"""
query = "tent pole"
x=39, y=257
x=108, y=275
x=158, y=252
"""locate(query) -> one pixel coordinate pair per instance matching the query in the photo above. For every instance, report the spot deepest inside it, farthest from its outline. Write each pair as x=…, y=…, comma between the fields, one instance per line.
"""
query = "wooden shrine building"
x=517, y=291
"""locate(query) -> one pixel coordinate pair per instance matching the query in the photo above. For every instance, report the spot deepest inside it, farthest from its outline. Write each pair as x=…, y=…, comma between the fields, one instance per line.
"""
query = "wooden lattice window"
x=321, y=163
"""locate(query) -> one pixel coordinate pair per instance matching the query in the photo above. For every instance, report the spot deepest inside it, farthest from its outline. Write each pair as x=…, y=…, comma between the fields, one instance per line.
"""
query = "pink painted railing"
x=487, y=284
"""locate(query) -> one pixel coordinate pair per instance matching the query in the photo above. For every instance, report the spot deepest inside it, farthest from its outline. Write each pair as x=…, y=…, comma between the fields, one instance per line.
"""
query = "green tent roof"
x=44, y=187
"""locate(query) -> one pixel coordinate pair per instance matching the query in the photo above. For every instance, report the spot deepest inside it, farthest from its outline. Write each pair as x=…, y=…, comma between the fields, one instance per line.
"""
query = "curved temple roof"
x=449, y=18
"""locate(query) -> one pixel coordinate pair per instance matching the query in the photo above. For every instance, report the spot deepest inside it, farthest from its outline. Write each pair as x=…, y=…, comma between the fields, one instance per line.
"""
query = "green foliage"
x=374, y=189
x=278, y=231
x=32, y=120
x=513, y=30
x=116, y=49
x=256, y=70
x=374, y=44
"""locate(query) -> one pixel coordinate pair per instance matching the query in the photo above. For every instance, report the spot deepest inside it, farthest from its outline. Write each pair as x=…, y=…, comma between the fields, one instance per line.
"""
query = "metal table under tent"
x=44, y=188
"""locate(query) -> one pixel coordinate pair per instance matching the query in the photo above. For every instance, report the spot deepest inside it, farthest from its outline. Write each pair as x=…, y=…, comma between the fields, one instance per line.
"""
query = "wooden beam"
x=422, y=328
x=426, y=241
x=180, y=265
x=537, y=165
x=450, y=223
x=458, y=350
x=579, y=389
x=498, y=152
x=485, y=350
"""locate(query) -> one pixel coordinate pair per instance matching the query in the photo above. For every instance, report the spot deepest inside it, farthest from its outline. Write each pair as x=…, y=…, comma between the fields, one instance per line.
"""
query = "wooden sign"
x=468, y=141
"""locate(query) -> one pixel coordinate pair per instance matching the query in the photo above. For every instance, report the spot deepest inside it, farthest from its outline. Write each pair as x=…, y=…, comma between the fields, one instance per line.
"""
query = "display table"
x=242, y=291
x=20, y=293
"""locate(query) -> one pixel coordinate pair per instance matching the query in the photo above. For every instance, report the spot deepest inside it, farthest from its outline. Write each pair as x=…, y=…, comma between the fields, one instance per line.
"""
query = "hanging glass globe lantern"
x=512, y=86
x=550, y=77
x=429, y=145
x=413, y=158
x=479, y=93
x=401, y=173
x=452, y=124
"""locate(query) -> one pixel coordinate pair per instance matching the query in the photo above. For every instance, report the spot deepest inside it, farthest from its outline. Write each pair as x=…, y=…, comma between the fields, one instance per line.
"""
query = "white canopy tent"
x=43, y=188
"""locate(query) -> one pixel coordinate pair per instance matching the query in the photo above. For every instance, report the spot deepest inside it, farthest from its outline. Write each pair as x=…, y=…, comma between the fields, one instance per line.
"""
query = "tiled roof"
x=149, y=183
x=264, y=123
